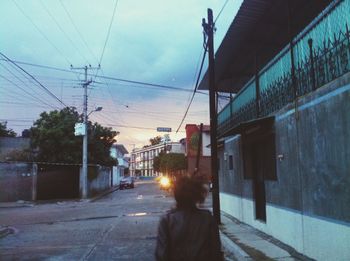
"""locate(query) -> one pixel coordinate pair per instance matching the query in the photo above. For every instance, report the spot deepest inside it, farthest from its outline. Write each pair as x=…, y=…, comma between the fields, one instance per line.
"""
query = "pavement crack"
x=101, y=239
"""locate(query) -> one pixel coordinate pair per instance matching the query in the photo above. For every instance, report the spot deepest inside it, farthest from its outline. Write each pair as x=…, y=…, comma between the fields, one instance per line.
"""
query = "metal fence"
x=320, y=54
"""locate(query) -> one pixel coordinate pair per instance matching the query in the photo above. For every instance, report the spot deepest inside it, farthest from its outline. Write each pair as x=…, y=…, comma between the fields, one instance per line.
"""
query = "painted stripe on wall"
x=232, y=138
x=315, y=102
x=314, y=237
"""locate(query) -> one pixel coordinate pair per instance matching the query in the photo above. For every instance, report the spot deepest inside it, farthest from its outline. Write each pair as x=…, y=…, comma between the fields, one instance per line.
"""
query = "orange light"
x=164, y=182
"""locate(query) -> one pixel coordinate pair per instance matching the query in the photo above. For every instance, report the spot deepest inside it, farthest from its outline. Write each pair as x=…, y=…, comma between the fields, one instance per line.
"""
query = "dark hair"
x=188, y=191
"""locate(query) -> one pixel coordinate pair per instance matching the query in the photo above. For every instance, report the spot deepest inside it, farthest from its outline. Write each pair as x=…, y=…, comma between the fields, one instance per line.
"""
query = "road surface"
x=120, y=226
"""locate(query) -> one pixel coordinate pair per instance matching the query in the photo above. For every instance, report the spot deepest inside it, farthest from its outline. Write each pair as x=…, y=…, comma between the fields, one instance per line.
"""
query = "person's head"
x=188, y=191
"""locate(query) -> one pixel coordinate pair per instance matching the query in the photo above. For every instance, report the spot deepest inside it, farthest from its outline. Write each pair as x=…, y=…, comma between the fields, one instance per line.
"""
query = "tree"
x=170, y=163
x=4, y=132
x=53, y=135
x=156, y=140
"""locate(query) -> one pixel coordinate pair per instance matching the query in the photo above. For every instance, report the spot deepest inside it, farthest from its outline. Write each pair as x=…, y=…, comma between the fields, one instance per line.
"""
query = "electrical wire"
x=41, y=32
x=194, y=90
x=199, y=74
x=61, y=29
x=27, y=92
x=77, y=30
x=109, y=31
x=222, y=9
x=31, y=76
x=19, y=79
x=173, y=88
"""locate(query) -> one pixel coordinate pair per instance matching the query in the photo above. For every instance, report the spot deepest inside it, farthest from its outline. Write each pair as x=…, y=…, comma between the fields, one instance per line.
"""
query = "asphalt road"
x=120, y=226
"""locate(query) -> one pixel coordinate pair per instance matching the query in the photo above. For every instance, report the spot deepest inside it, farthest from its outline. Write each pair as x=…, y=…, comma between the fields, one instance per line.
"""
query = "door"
x=258, y=181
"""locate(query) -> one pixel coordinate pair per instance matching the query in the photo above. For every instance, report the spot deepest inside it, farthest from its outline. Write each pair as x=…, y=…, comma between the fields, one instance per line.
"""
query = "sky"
x=149, y=41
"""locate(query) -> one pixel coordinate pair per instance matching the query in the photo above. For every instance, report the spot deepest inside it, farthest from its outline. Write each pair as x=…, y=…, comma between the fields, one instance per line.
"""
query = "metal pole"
x=213, y=119
x=294, y=82
x=85, y=140
x=199, y=149
x=257, y=87
x=312, y=66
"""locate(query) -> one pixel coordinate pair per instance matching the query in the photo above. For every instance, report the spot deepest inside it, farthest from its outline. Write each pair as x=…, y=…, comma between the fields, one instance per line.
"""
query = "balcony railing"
x=320, y=54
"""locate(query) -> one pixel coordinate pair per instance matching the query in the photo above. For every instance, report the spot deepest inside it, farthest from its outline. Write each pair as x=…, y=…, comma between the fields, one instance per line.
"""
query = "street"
x=120, y=226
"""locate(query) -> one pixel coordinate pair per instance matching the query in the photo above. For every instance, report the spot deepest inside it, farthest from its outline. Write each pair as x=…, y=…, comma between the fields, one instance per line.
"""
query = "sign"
x=79, y=129
x=163, y=129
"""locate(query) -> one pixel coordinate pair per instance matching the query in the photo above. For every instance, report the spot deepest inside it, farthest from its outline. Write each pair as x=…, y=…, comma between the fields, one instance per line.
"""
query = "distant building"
x=118, y=152
x=192, y=141
x=141, y=162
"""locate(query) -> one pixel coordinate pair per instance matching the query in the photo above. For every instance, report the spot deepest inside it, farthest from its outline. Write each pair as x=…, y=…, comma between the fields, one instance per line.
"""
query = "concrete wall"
x=57, y=182
x=99, y=179
x=17, y=181
x=308, y=206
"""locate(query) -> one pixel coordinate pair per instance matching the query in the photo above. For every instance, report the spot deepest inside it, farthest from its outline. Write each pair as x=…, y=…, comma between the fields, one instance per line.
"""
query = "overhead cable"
x=194, y=90
x=31, y=76
x=110, y=78
x=42, y=33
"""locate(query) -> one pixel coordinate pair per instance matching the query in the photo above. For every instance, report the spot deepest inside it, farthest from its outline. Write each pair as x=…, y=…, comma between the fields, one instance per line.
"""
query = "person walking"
x=188, y=233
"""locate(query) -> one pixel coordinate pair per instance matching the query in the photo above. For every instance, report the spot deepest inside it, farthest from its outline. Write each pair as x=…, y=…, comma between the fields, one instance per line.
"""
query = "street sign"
x=79, y=129
x=163, y=129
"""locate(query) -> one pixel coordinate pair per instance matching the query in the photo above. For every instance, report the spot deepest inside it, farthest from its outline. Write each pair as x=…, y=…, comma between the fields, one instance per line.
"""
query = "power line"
x=21, y=103
x=194, y=90
x=76, y=29
x=222, y=9
x=31, y=76
x=109, y=30
x=27, y=92
x=112, y=78
x=41, y=32
x=61, y=29
x=30, y=94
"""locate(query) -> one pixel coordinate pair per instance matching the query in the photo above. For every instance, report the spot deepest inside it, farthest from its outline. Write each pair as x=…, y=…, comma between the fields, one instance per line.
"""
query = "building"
x=119, y=152
x=284, y=139
x=141, y=162
x=193, y=138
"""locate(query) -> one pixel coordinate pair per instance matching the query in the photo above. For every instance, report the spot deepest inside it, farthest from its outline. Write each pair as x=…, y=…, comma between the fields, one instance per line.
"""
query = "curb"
x=232, y=250
x=15, y=204
x=103, y=194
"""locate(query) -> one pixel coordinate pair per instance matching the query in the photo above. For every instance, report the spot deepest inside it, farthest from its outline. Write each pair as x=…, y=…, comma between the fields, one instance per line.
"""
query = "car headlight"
x=164, y=182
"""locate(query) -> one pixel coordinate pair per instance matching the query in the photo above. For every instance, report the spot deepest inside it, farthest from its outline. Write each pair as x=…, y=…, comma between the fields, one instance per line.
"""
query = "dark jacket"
x=186, y=235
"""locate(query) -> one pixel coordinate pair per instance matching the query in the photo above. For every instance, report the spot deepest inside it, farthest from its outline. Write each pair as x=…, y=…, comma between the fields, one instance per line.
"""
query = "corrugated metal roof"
x=260, y=27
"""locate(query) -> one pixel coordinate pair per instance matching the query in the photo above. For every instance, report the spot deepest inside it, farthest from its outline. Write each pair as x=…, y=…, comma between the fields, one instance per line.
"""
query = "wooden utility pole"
x=209, y=31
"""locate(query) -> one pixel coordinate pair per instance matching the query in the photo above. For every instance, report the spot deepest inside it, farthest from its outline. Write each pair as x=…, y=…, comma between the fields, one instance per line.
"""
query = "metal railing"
x=321, y=53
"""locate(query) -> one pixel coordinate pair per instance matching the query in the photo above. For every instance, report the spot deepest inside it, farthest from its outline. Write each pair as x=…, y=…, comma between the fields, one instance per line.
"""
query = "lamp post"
x=85, y=154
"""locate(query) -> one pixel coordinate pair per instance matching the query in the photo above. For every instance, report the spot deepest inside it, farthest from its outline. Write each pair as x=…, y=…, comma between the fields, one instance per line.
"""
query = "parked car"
x=126, y=182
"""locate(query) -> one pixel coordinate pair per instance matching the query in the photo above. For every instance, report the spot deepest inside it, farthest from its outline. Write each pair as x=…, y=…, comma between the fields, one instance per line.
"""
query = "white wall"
x=117, y=175
x=206, y=141
x=314, y=237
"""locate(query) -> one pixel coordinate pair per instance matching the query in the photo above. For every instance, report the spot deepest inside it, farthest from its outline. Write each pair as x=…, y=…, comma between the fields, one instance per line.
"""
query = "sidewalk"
x=243, y=242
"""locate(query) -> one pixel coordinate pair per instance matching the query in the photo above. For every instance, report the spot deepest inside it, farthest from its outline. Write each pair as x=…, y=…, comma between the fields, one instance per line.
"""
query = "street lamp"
x=85, y=153
x=96, y=109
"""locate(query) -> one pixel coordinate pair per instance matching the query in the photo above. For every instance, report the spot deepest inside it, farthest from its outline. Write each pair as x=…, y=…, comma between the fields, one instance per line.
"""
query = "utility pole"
x=209, y=31
x=84, y=172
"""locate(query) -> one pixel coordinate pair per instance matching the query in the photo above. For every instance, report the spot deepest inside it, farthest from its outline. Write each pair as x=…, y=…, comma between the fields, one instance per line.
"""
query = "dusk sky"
x=150, y=41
